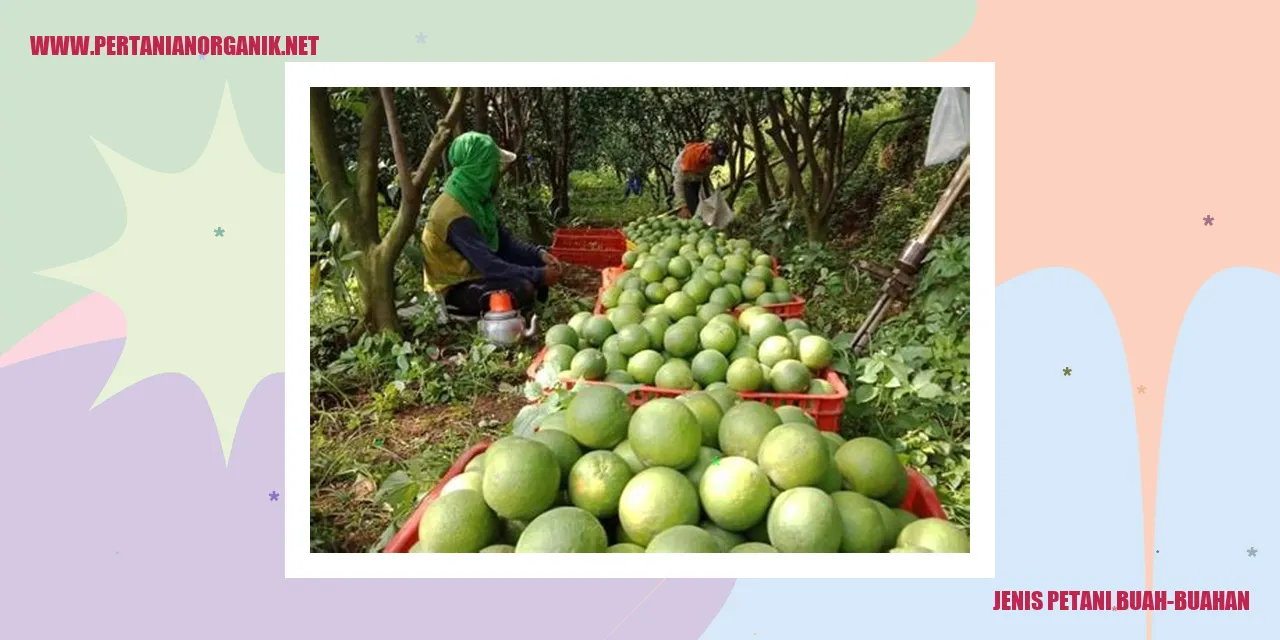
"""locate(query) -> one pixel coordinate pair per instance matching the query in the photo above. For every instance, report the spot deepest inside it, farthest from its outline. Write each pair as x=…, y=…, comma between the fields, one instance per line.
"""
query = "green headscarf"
x=474, y=158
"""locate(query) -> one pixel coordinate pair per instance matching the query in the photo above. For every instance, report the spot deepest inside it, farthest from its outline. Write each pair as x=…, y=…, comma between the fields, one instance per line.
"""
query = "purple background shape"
x=124, y=518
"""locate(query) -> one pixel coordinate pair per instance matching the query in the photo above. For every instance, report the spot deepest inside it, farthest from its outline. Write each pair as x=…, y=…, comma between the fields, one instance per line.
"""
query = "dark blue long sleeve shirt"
x=513, y=259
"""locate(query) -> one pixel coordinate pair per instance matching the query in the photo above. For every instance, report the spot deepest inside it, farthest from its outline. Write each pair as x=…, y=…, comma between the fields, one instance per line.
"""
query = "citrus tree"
x=349, y=189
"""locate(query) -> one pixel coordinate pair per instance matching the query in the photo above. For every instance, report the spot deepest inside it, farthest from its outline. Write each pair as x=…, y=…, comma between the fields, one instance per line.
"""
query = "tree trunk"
x=480, y=107
x=763, y=171
x=356, y=209
x=376, y=276
x=815, y=225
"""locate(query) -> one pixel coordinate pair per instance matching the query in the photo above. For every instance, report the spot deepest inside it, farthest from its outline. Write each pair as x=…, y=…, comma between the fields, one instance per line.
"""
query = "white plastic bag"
x=949, y=130
x=714, y=211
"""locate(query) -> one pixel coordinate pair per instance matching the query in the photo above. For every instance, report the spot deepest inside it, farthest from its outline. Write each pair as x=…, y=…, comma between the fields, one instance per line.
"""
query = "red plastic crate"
x=407, y=536
x=598, y=248
x=920, y=500
x=826, y=409
x=610, y=275
x=784, y=310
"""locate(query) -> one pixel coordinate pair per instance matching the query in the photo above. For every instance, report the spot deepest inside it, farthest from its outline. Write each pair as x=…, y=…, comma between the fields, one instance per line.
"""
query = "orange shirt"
x=697, y=158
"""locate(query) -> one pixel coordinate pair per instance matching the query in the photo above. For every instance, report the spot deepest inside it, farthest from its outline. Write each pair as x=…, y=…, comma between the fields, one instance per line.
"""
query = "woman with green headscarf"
x=467, y=251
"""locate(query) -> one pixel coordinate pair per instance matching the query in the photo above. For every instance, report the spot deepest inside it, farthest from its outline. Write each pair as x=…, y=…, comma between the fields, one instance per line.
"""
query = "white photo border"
x=301, y=563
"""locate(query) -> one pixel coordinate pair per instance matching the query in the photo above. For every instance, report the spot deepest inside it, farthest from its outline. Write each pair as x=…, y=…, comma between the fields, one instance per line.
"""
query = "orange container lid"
x=499, y=301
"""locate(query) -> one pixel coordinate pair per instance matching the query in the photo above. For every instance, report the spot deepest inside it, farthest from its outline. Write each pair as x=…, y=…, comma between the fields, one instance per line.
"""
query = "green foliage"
x=904, y=209
x=917, y=370
x=944, y=462
x=913, y=386
x=404, y=373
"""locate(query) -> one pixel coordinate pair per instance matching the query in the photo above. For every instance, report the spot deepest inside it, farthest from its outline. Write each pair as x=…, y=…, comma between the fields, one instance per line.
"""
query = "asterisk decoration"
x=1142, y=389
x=1252, y=552
x=218, y=232
x=422, y=38
x=274, y=496
x=1208, y=221
x=1066, y=371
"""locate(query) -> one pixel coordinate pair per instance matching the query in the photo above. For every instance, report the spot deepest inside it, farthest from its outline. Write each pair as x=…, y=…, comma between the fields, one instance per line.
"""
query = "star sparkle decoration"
x=190, y=310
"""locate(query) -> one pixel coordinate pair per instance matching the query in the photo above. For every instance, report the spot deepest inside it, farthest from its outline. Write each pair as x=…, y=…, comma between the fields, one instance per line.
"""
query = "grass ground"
x=372, y=456
x=377, y=448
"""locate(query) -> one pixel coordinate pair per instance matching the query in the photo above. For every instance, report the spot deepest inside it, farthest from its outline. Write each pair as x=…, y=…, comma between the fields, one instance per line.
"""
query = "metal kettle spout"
x=533, y=327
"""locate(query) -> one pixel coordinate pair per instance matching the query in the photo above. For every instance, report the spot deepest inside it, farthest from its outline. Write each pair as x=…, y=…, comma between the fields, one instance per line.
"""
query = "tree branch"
x=437, y=98
x=849, y=170
x=367, y=153
x=324, y=143
x=397, y=140
x=411, y=199
x=439, y=141
x=337, y=190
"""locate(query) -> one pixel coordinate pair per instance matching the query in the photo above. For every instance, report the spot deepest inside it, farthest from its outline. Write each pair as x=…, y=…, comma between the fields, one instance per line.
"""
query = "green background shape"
x=63, y=204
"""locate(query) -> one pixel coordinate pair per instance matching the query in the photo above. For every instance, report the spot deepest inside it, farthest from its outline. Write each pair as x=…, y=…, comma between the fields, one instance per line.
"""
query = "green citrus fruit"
x=643, y=366
x=632, y=339
x=596, y=330
x=869, y=466
x=744, y=374
x=815, y=352
x=753, y=547
x=588, y=364
x=521, y=478
x=938, y=536
x=789, y=376
x=458, y=522
x=563, y=530
x=680, y=305
x=664, y=432
x=764, y=325
x=559, y=357
x=735, y=493
x=596, y=481
x=794, y=455
x=562, y=334
x=706, y=408
x=681, y=340
x=598, y=415
x=744, y=427
x=625, y=315
x=805, y=520
x=562, y=445
x=707, y=456
x=788, y=413
x=655, y=500
x=719, y=336
x=775, y=349
x=624, y=451
x=675, y=374
x=684, y=539
x=709, y=366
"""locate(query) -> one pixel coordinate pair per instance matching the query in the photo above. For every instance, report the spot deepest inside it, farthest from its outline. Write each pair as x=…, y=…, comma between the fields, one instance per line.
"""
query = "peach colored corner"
x=1120, y=126
x=93, y=318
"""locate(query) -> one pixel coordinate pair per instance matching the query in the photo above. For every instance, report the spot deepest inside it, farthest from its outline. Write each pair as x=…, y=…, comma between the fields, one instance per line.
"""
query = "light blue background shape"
x=1069, y=511
x=1216, y=496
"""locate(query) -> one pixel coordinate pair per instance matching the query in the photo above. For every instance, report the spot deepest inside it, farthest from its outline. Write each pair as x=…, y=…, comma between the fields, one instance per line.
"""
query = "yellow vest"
x=443, y=266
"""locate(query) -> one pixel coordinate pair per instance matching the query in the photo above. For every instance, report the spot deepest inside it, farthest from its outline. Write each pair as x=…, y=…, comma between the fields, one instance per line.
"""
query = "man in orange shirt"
x=691, y=173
